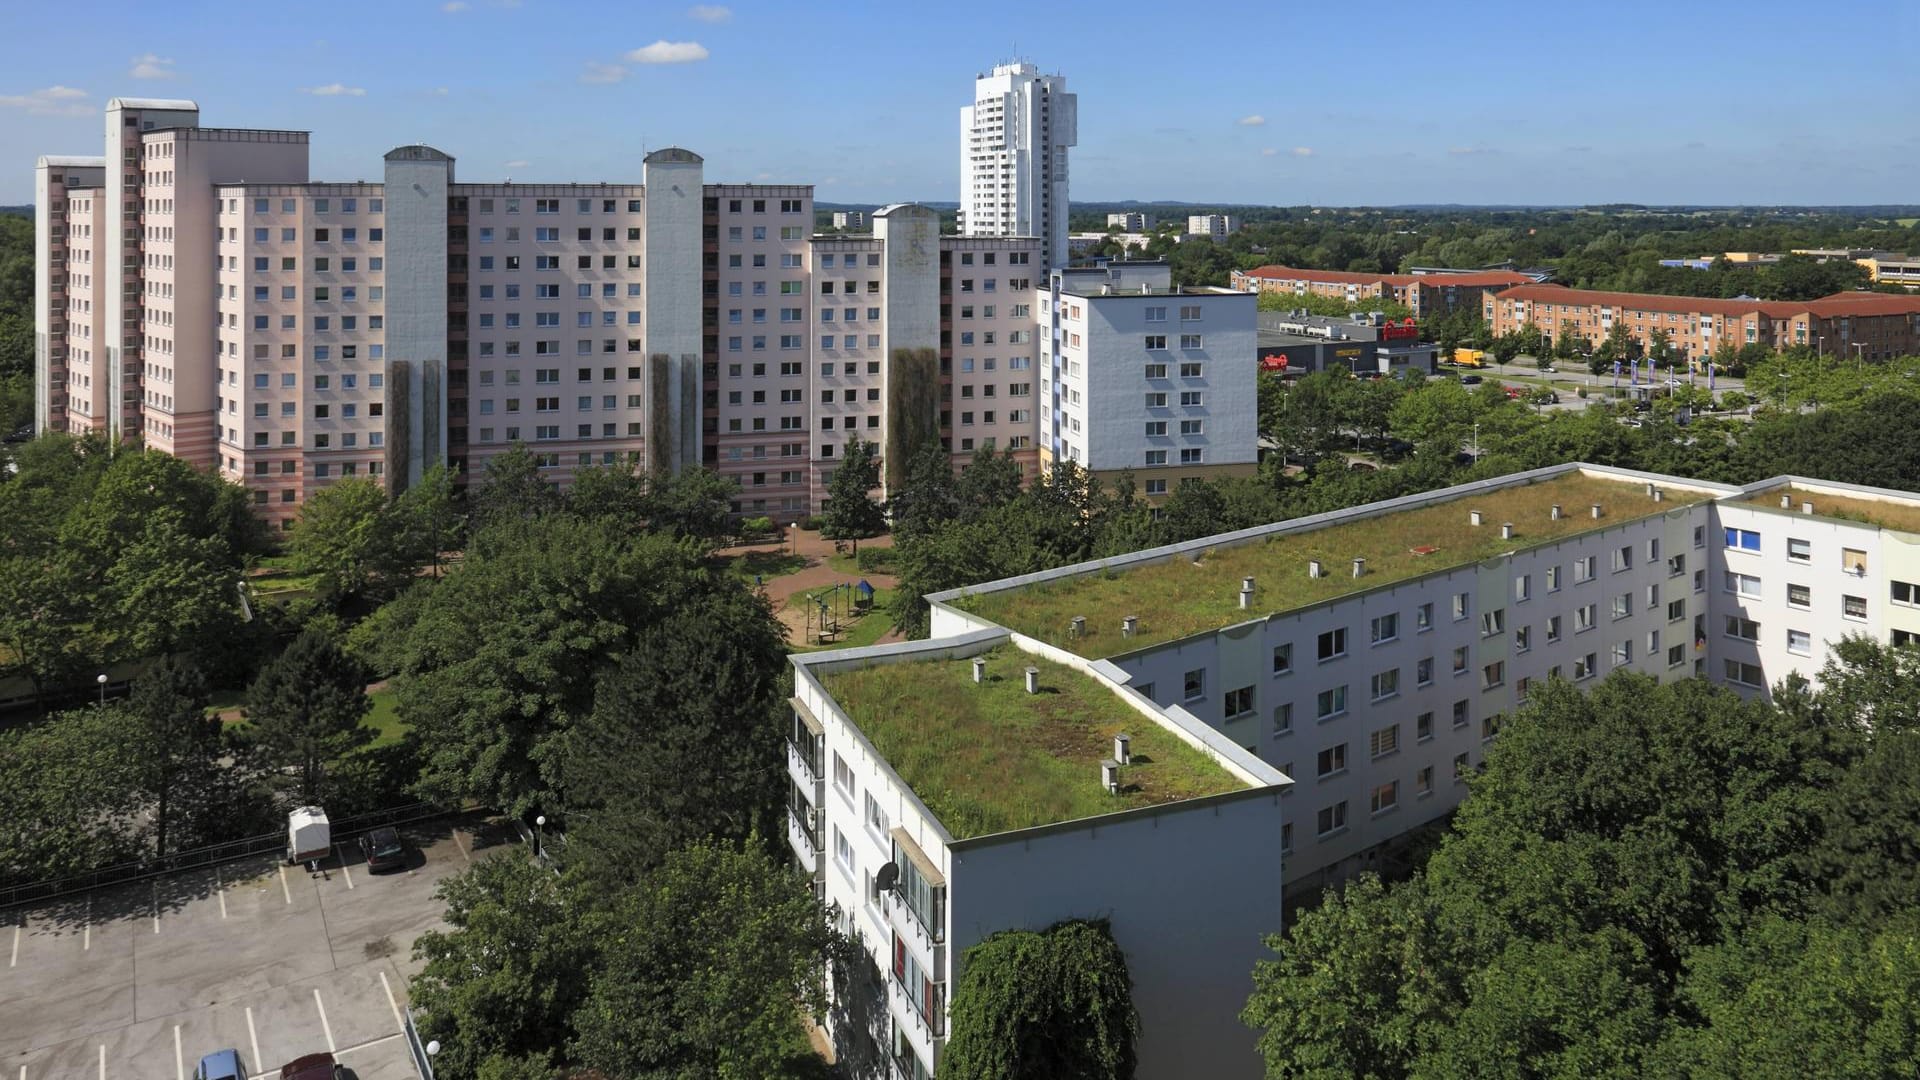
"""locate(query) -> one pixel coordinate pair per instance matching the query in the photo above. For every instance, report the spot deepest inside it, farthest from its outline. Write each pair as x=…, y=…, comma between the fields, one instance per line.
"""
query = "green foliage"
x=683, y=741
x=851, y=512
x=706, y=965
x=1054, y=1003
x=304, y=712
x=694, y=503
x=498, y=988
x=1333, y=306
x=346, y=539
x=874, y=560
x=66, y=795
x=176, y=746
x=512, y=489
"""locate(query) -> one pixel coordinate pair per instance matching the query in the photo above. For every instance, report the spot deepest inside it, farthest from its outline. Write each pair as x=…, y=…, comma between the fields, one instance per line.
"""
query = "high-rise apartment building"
x=1013, y=157
x=1211, y=226
x=1138, y=375
x=198, y=290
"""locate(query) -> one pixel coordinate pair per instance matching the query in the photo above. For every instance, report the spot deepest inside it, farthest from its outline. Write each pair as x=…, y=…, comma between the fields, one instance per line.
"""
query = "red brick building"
x=1424, y=294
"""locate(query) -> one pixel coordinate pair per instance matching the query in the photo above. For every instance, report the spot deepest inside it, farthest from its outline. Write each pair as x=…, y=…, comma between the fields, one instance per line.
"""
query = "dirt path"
x=815, y=575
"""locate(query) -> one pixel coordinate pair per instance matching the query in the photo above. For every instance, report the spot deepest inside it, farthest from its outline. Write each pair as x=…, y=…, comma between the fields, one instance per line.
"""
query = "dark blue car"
x=220, y=1065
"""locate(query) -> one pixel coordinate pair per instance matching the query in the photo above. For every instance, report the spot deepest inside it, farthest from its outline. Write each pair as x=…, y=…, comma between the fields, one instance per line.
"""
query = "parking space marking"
x=156, y=905
x=103, y=1061
x=344, y=870
x=86, y=929
x=324, y=1026
x=461, y=846
x=220, y=890
x=398, y=1021
x=251, y=1037
x=179, y=1063
x=369, y=1043
x=283, y=884
x=16, y=949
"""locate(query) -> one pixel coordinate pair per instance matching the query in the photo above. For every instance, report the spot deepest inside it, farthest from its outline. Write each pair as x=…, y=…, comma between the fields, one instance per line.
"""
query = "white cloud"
x=1468, y=151
x=762, y=177
x=521, y=164
x=53, y=101
x=1302, y=151
x=669, y=52
x=439, y=91
x=150, y=66
x=710, y=13
x=1268, y=152
x=602, y=74
x=1256, y=120
x=335, y=90
x=454, y=7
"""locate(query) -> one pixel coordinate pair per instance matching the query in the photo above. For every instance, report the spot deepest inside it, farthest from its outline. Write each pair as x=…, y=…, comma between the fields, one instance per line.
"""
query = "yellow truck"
x=1469, y=358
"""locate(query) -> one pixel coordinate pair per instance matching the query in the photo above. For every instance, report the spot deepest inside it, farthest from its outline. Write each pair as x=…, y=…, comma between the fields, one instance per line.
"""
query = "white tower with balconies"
x=1013, y=157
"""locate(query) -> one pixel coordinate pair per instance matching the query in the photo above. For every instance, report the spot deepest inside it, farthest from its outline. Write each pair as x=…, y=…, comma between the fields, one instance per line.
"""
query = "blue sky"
x=1282, y=102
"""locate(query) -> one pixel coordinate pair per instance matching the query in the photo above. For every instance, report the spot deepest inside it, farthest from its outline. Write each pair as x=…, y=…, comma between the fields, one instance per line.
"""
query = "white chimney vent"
x=1246, y=599
x=1110, y=776
x=1594, y=509
x=1506, y=530
x=1316, y=569
x=1786, y=502
x=1079, y=626
x=1806, y=508
x=1473, y=517
x=1123, y=748
x=1658, y=495
x=1128, y=625
x=1359, y=567
x=1246, y=584
x=1033, y=680
x=979, y=670
x=1651, y=490
x=1558, y=513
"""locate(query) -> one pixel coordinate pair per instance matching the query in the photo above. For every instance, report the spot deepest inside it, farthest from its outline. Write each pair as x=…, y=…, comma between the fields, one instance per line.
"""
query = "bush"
x=1582, y=391
x=755, y=527
x=1734, y=400
x=875, y=560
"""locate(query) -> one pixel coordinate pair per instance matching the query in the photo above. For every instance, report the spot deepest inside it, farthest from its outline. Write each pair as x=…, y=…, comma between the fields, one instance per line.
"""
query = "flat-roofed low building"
x=1425, y=294
x=1866, y=325
x=1294, y=342
x=943, y=791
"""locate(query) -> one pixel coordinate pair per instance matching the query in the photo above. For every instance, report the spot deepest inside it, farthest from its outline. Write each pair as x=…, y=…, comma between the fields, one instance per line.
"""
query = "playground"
x=817, y=592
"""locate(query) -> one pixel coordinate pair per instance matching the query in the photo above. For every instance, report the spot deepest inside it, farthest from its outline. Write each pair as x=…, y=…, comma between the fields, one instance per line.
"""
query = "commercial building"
x=1013, y=157
x=1866, y=325
x=1211, y=226
x=1138, y=375
x=1360, y=661
x=1294, y=342
x=1131, y=221
x=1425, y=295
x=1892, y=268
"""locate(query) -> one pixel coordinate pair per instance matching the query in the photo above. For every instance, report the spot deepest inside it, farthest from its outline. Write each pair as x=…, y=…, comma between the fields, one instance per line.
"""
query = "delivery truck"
x=1472, y=358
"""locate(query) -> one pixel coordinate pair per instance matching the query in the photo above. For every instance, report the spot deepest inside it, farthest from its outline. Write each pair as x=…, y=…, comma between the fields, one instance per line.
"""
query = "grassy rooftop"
x=1887, y=515
x=1175, y=598
x=991, y=757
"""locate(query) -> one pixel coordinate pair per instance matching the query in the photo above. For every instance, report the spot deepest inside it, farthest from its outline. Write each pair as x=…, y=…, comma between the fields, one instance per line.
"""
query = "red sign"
x=1399, y=331
x=1273, y=362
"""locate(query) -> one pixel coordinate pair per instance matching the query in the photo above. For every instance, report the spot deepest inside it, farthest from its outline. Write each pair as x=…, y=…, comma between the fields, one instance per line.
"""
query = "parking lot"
x=142, y=980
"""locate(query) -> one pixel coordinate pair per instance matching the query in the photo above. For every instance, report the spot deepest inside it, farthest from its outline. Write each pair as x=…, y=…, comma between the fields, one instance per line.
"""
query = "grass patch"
x=1886, y=515
x=862, y=631
x=382, y=718
x=990, y=758
x=1177, y=598
x=767, y=565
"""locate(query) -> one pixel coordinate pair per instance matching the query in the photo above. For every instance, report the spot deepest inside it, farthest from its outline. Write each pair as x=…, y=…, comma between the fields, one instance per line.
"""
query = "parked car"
x=384, y=850
x=220, y=1065
x=313, y=1067
x=1469, y=380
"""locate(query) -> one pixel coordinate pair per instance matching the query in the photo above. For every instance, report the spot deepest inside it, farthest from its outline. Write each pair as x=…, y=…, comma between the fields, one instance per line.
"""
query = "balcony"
x=803, y=771
x=921, y=1024
x=805, y=843
x=928, y=943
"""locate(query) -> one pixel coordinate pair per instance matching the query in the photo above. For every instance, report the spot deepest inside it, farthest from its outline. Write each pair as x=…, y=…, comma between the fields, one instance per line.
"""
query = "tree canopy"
x=1056, y=1002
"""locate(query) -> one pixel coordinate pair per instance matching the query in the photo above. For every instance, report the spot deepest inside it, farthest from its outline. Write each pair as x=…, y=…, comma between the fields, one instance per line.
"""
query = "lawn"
x=764, y=564
x=989, y=758
x=1179, y=597
x=1885, y=515
x=382, y=718
x=864, y=630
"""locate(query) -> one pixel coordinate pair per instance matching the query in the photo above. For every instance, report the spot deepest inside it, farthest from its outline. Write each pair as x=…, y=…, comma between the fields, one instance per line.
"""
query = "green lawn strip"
x=990, y=757
x=383, y=718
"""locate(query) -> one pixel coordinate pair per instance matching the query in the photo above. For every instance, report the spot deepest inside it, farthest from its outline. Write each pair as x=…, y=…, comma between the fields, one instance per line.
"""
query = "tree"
x=513, y=488
x=67, y=795
x=425, y=520
x=347, y=537
x=851, y=512
x=684, y=740
x=1660, y=347
x=930, y=497
x=695, y=502
x=992, y=479
x=612, y=493
x=499, y=988
x=176, y=747
x=304, y=711
x=1056, y=1003
x=706, y=967
x=172, y=591
x=46, y=634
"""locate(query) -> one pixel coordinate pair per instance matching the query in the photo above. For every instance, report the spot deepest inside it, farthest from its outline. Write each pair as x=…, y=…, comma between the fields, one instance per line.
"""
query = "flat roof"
x=990, y=758
x=1901, y=516
x=1196, y=588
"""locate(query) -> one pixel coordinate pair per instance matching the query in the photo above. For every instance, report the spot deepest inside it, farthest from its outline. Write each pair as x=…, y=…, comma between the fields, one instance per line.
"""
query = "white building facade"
x=1014, y=140
x=1211, y=226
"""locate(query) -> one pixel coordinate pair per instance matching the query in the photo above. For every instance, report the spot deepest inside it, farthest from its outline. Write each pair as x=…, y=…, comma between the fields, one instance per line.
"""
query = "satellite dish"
x=887, y=877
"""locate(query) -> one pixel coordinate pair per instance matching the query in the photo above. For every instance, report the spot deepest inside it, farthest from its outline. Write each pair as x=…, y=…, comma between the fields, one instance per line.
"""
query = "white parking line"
x=324, y=1026
x=391, y=1003
x=252, y=1038
x=461, y=846
x=368, y=1043
x=156, y=905
x=103, y=1061
x=179, y=1063
x=283, y=884
x=344, y=871
x=220, y=890
x=16, y=953
x=86, y=930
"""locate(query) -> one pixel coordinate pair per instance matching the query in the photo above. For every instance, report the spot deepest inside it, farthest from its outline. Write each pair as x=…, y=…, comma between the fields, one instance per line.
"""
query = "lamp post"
x=539, y=836
x=1860, y=353
x=102, y=680
x=793, y=537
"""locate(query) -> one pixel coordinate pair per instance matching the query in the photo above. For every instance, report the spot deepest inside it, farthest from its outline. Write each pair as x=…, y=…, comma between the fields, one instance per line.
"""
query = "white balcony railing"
x=802, y=840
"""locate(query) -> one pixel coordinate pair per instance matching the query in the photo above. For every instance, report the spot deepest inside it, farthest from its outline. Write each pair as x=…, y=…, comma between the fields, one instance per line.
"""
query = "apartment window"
x=1741, y=540
x=842, y=774
x=1283, y=718
x=1522, y=638
x=1492, y=675
x=1332, y=644
x=1385, y=628
x=1192, y=427
x=1746, y=585
x=1799, y=550
x=1800, y=642
x=1237, y=703
x=1156, y=371
x=1460, y=768
x=1330, y=703
x=1583, y=569
x=1460, y=659
x=1332, y=819
x=1460, y=606
x=1523, y=588
x=1744, y=674
x=1423, y=671
x=1156, y=429
x=1676, y=655
x=1676, y=566
x=1385, y=797
x=1283, y=658
x=1623, y=605
x=1386, y=684
x=1676, y=610
x=1384, y=741
x=1460, y=709
x=1553, y=579
x=1194, y=684
x=1156, y=342
x=1156, y=401
x=1584, y=666
x=1853, y=607
x=1493, y=622
x=1423, y=617
x=1584, y=618
x=1423, y=781
x=1622, y=558
x=1903, y=593
x=1853, y=561
x=1423, y=727
x=1331, y=760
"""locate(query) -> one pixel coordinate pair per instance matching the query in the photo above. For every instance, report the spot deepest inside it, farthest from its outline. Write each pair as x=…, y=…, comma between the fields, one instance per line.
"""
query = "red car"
x=313, y=1067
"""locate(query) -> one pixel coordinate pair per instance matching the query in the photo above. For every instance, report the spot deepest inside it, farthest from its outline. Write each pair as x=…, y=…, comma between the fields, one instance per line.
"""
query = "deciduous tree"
x=304, y=711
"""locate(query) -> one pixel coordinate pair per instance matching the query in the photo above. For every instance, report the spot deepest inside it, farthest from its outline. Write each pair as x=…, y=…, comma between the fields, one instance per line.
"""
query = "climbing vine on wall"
x=1056, y=1003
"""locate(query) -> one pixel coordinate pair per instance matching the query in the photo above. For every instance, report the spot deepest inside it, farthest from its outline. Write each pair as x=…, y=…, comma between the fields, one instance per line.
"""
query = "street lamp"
x=102, y=680
x=539, y=835
x=793, y=533
x=1860, y=353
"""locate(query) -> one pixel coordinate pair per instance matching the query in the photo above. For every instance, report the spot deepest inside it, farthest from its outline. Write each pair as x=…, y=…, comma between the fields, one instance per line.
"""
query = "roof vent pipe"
x=1651, y=490
x=1473, y=517
x=979, y=669
x=1658, y=495
x=1557, y=512
x=1359, y=567
x=1506, y=530
x=1123, y=748
x=1110, y=776
x=1594, y=510
x=1786, y=502
x=1079, y=626
x=1806, y=508
x=1128, y=625
x=1315, y=569
x=1033, y=680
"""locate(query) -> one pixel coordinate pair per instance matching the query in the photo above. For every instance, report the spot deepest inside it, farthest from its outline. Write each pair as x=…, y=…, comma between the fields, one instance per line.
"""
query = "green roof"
x=1885, y=514
x=1193, y=593
x=991, y=757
